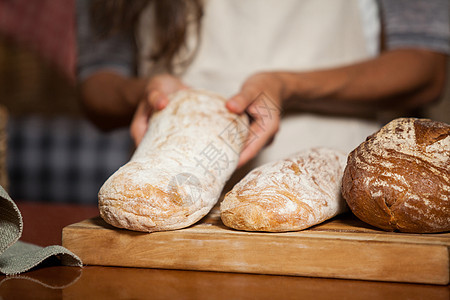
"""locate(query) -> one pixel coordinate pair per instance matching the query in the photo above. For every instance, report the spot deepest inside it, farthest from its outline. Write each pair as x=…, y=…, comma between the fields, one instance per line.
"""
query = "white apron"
x=242, y=37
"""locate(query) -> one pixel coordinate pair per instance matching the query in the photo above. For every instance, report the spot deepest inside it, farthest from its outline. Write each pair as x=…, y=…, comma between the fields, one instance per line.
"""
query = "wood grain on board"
x=343, y=247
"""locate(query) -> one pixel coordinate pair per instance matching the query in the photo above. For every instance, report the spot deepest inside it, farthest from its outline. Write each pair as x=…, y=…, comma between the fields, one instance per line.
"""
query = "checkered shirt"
x=61, y=159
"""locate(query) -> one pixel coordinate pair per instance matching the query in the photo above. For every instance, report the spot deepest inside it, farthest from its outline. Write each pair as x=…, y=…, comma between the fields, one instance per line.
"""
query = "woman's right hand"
x=156, y=98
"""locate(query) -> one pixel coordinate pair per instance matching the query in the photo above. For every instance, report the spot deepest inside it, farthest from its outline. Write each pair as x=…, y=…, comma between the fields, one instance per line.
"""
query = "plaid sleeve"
x=417, y=23
x=113, y=53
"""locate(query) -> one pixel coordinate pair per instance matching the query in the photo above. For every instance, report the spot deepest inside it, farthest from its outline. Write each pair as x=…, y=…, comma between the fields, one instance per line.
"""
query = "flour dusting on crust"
x=178, y=171
x=290, y=194
x=399, y=179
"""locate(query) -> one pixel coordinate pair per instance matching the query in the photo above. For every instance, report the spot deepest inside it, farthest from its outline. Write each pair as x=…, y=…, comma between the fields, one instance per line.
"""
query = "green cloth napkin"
x=17, y=257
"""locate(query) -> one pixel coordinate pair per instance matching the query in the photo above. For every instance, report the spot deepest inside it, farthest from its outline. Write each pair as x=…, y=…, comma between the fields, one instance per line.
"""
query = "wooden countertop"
x=43, y=224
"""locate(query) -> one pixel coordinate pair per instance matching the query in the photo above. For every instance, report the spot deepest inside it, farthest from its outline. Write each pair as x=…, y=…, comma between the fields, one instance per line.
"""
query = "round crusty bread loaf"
x=179, y=169
x=399, y=178
x=290, y=194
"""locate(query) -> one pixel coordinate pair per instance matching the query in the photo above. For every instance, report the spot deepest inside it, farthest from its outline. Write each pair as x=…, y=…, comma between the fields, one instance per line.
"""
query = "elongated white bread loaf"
x=291, y=194
x=399, y=178
x=178, y=171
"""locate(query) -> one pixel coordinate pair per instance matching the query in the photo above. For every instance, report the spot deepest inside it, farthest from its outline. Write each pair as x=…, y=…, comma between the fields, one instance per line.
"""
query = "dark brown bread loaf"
x=399, y=178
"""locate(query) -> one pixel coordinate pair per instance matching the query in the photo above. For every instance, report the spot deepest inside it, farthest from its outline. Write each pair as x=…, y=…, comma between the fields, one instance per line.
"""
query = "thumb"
x=139, y=123
x=239, y=102
x=157, y=99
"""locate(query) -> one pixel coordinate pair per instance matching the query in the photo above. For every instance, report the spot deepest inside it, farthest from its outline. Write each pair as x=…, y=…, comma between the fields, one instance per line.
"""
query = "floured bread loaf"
x=290, y=194
x=178, y=171
x=399, y=178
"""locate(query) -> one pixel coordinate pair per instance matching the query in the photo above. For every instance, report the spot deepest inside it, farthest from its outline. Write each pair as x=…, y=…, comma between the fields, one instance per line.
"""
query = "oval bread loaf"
x=399, y=178
x=291, y=194
x=179, y=169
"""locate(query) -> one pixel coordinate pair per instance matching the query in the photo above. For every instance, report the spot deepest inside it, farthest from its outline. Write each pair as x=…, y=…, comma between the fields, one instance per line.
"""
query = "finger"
x=258, y=138
x=252, y=146
x=265, y=112
x=157, y=99
x=166, y=84
x=239, y=103
x=139, y=124
x=160, y=88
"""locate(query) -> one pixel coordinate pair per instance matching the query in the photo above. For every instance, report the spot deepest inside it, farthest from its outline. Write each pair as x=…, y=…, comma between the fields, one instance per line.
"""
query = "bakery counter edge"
x=343, y=247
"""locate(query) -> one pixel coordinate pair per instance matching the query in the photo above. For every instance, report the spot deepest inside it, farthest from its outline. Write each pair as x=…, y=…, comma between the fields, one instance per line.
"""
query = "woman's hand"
x=156, y=98
x=261, y=96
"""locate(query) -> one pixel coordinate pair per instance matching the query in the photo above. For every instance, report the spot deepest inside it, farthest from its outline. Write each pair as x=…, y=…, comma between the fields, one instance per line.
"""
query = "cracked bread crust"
x=286, y=195
x=178, y=171
x=399, y=178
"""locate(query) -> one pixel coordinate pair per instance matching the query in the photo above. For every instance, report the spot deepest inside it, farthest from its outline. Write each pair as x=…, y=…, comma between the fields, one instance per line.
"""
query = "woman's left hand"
x=261, y=96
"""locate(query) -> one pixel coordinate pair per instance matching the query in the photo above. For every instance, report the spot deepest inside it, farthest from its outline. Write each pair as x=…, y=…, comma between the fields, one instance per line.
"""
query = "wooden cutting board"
x=343, y=247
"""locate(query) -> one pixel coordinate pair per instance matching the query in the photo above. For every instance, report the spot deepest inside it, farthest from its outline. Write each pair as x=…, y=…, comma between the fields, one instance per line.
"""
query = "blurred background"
x=52, y=153
x=48, y=151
